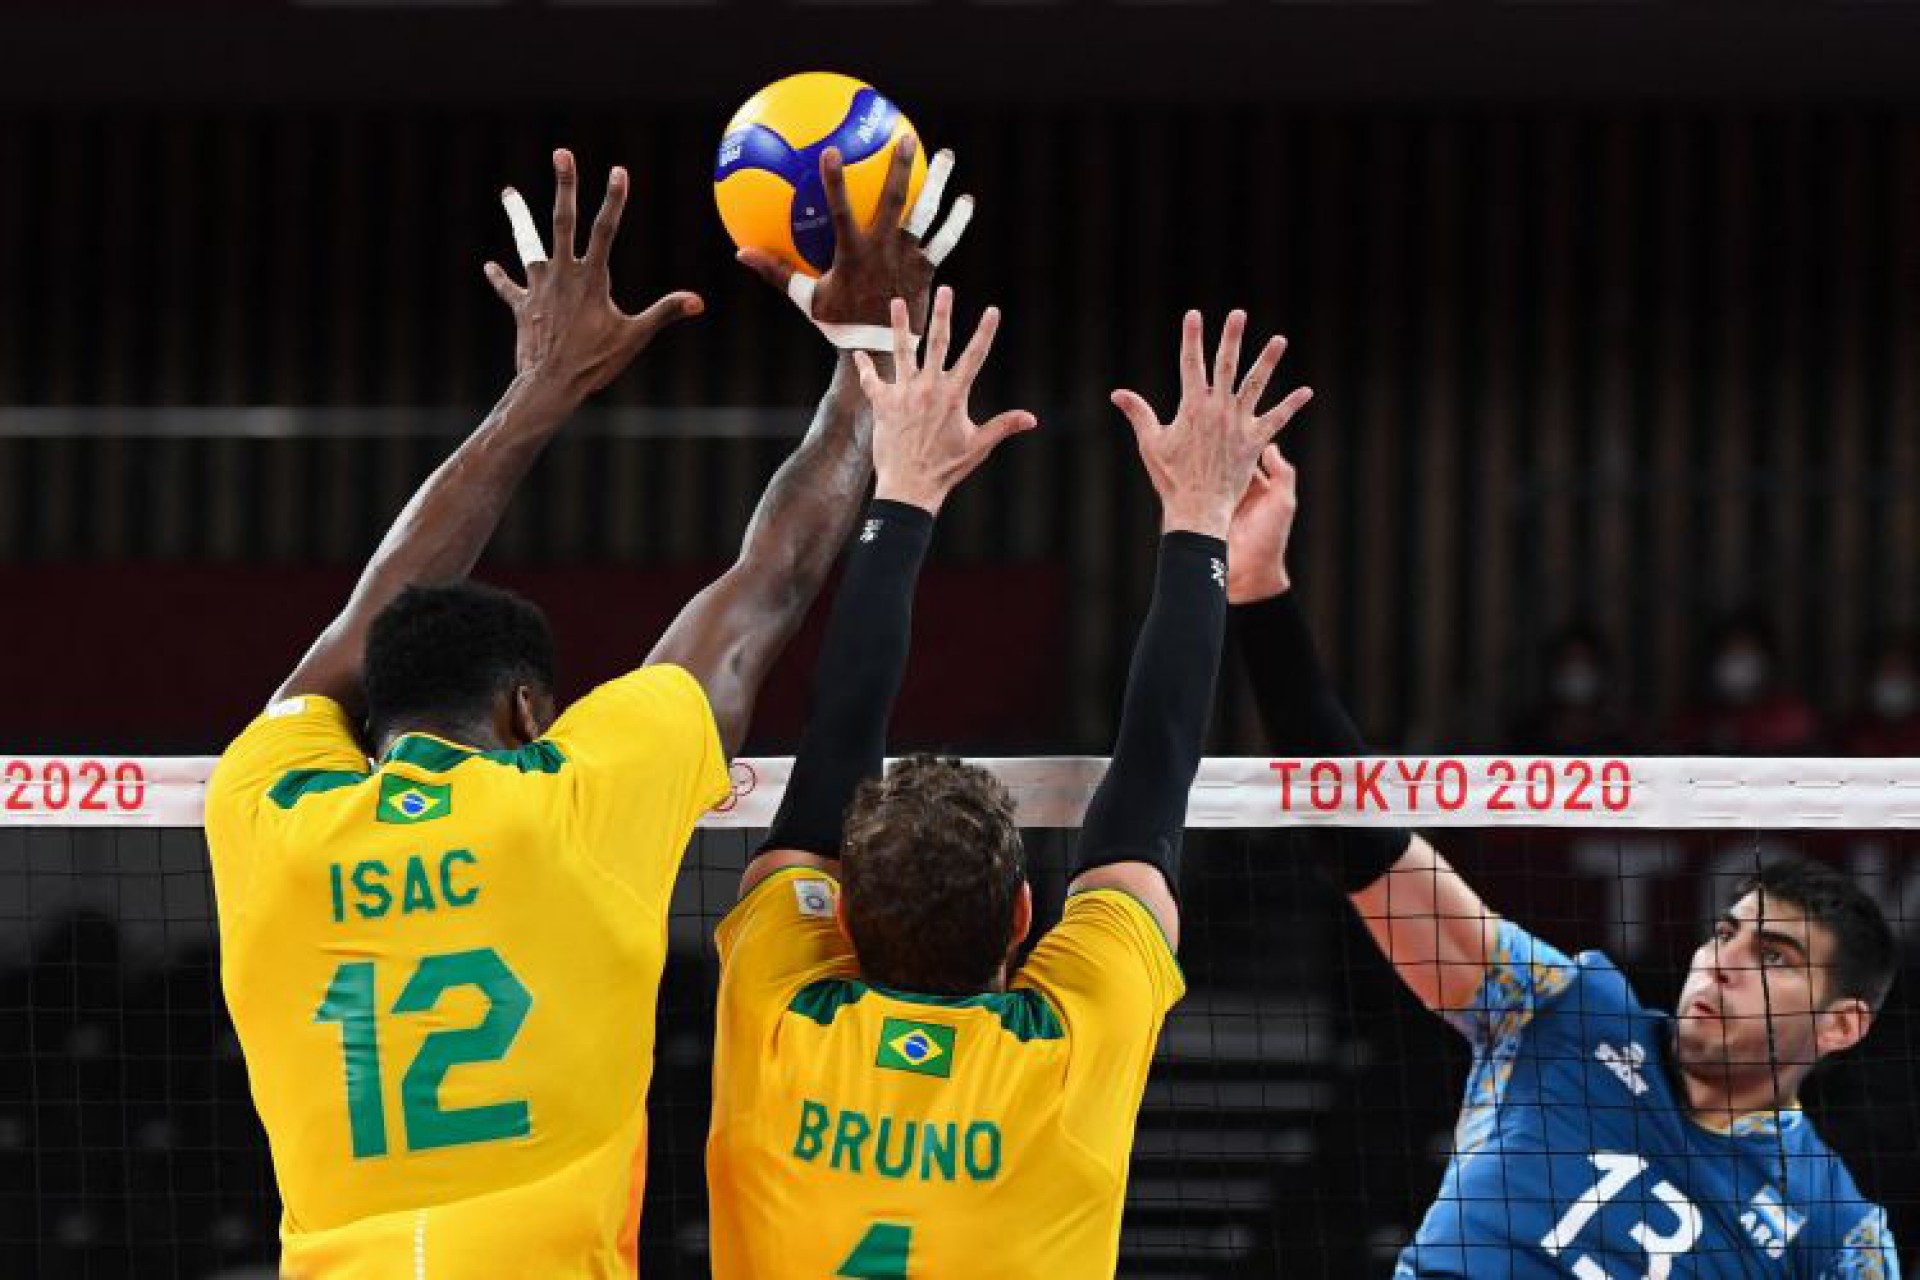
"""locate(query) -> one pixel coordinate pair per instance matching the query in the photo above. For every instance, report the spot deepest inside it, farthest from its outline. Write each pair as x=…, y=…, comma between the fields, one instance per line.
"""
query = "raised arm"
x=729, y=635
x=570, y=340
x=1199, y=463
x=924, y=444
x=1424, y=916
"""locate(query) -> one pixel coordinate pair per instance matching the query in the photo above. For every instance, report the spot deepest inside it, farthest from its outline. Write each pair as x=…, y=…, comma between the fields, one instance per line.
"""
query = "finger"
x=974, y=358
x=1250, y=497
x=1270, y=463
x=940, y=329
x=526, y=240
x=1138, y=412
x=606, y=224
x=869, y=376
x=893, y=195
x=1226, y=361
x=669, y=310
x=564, y=181
x=1193, y=365
x=1274, y=422
x=775, y=270
x=510, y=293
x=1255, y=385
x=801, y=289
x=990, y=433
x=904, y=363
x=1257, y=484
x=950, y=232
x=833, y=178
x=928, y=205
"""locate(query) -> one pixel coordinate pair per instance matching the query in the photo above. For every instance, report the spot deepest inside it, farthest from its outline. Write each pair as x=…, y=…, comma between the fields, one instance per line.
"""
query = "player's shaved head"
x=931, y=872
x=442, y=658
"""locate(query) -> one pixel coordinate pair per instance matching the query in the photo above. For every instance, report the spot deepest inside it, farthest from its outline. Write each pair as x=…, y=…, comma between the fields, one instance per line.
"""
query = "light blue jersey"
x=1575, y=1156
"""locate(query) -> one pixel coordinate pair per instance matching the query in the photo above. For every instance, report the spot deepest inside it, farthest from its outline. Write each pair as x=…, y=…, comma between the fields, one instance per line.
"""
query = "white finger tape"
x=858, y=337
x=949, y=234
x=800, y=288
x=525, y=238
x=931, y=192
x=847, y=337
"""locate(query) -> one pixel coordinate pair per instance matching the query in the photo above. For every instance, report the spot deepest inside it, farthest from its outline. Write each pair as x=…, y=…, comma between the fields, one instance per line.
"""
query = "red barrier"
x=126, y=656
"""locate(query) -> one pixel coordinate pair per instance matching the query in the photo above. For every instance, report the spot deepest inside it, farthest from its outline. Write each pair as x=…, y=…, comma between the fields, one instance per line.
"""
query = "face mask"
x=1893, y=696
x=1576, y=684
x=1738, y=674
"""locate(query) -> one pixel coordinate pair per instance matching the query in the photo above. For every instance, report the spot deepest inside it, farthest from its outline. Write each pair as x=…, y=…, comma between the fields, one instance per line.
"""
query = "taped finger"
x=526, y=237
x=846, y=337
x=800, y=288
x=950, y=232
x=927, y=207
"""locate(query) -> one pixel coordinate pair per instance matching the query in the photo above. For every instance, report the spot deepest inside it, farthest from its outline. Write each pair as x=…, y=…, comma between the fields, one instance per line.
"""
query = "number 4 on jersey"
x=880, y=1255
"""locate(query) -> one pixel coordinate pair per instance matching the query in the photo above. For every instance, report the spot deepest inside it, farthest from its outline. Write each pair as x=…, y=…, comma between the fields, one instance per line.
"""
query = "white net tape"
x=1654, y=793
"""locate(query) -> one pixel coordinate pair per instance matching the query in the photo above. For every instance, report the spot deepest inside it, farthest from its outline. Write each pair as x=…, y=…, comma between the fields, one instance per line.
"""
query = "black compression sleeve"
x=862, y=661
x=1141, y=805
x=1305, y=717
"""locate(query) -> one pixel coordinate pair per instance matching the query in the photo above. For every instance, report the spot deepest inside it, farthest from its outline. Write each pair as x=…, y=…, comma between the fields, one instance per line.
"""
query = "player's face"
x=1761, y=970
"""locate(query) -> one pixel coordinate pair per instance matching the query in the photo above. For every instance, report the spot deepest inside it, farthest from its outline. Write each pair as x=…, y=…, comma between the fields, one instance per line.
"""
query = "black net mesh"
x=1297, y=1121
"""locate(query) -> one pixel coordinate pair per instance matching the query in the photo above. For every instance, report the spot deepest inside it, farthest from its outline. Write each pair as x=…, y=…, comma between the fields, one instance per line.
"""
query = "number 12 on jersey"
x=350, y=1002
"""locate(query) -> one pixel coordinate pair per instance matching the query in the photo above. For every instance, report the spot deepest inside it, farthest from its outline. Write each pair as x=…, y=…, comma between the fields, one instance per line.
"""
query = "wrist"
x=924, y=495
x=1196, y=519
x=1252, y=585
x=542, y=391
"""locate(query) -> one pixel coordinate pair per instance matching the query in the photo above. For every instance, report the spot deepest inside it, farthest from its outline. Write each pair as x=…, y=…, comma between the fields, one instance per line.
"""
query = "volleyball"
x=766, y=178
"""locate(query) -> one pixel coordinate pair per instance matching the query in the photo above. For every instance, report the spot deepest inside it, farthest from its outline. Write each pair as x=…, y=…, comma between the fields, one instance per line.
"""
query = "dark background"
x=1612, y=310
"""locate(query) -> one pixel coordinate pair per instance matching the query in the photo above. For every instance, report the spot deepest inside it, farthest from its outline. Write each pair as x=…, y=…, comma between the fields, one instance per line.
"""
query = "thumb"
x=1138, y=412
x=670, y=310
x=997, y=428
x=775, y=271
x=503, y=284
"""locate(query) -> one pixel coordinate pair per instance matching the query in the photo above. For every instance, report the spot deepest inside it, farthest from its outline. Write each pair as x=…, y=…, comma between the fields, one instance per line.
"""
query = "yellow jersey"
x=860, y=1131
x=443, y=972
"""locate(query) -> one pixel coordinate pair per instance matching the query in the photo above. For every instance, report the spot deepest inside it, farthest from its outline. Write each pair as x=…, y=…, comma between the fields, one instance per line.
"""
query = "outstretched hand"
x=1262, y=525
x=874, y=264
x=1200, y=462
x=924, y=442
x=567, y=326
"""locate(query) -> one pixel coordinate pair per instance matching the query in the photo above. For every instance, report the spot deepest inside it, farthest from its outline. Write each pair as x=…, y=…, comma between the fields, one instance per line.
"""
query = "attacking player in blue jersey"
x=1599, y=1138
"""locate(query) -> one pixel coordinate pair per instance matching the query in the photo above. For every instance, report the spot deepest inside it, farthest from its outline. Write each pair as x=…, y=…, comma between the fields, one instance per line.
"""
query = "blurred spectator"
x=1746, y=710
x=1886, y=718
x=1577, y=709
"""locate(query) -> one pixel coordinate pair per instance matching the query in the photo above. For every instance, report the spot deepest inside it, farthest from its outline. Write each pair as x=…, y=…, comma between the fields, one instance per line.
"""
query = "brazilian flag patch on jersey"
x=924, y=1048
x=404, y=801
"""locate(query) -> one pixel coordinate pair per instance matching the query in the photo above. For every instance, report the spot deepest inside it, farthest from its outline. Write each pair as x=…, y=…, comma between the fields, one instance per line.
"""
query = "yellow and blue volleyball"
x=767, y=177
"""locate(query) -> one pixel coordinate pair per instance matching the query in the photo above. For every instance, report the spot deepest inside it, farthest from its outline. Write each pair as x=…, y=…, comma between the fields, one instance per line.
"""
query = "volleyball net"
x=1300, y=1110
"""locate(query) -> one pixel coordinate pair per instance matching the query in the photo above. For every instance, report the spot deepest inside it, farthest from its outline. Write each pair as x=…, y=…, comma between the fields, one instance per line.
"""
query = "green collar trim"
x=300, y=783
x=436, y=756
x=1023, y=1012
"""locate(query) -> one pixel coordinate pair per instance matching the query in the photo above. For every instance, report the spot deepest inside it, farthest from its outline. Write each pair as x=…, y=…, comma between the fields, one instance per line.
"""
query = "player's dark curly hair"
x=1865, y=951
x=931, y=866
x=439, y=656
